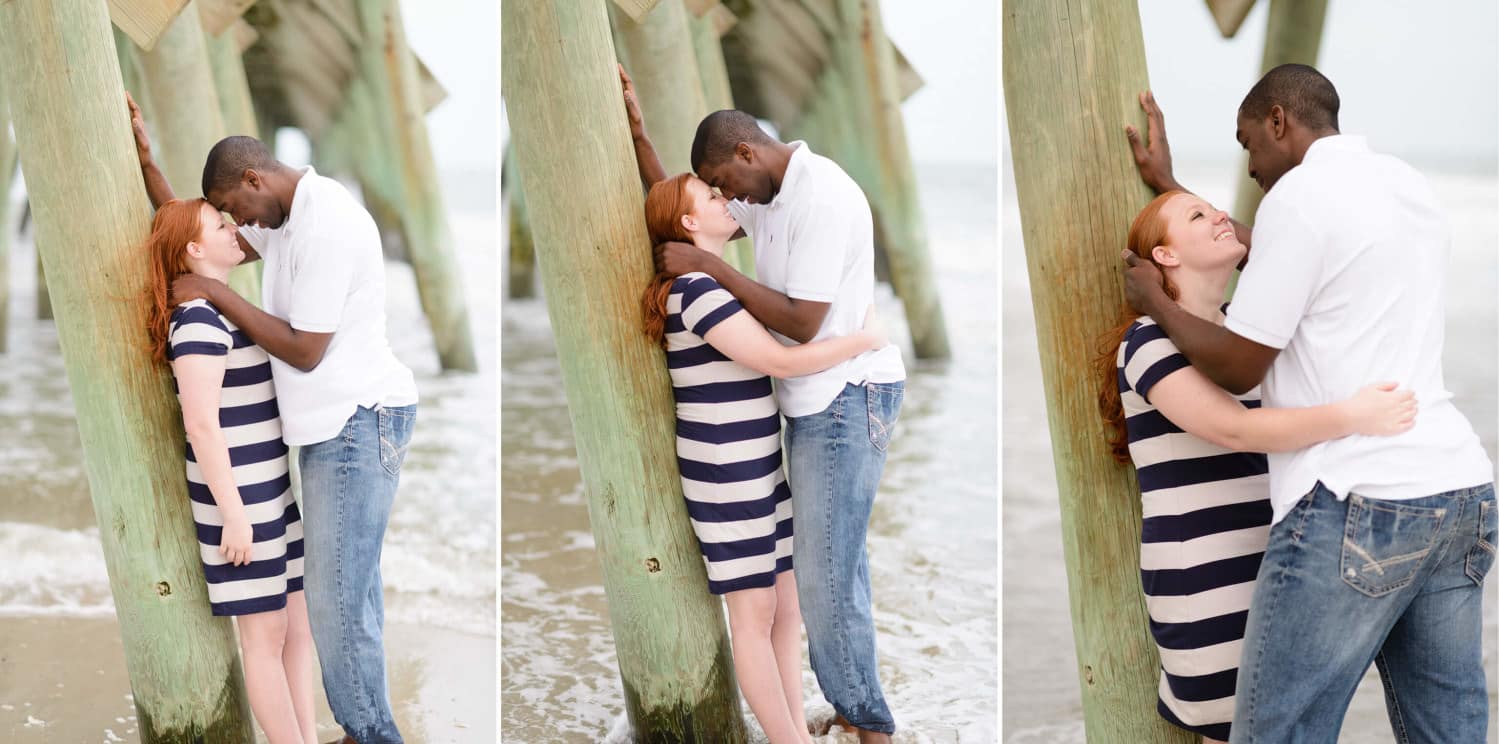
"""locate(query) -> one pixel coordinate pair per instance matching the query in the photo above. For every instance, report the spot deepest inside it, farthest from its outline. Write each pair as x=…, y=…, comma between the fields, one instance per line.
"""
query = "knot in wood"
x=163, y=588
x=652, y=565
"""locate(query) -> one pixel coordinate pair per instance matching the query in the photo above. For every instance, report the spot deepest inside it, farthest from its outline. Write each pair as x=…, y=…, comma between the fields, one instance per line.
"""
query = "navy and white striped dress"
x=1207, y=520
x=252, y=430
x=728, y=445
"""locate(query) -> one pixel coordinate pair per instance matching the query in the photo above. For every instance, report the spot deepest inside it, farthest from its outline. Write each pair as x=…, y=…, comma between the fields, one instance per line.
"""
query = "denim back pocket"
x=884, y=410
x=395, y=436
x=1481, y=557
x=1385, y=542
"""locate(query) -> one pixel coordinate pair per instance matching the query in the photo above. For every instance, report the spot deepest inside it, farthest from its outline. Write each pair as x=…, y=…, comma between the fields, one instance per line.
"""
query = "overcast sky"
x=1420, y=83
x=459, y=42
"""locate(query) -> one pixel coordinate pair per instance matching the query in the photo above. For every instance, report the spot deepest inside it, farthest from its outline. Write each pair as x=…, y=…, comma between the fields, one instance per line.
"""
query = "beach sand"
x=75, y=688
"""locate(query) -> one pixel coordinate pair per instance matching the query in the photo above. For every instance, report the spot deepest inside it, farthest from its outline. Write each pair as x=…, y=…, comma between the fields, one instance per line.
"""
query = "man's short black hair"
x=230, y=158
x=720, y=132
x=1299, y=89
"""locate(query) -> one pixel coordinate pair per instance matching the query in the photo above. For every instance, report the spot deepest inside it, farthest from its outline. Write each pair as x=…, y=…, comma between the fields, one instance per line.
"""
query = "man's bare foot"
x=865, y=736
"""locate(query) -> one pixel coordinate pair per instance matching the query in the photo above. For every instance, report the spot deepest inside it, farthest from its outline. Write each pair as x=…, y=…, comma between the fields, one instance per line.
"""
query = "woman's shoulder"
x=198, y=311
x=693, y=285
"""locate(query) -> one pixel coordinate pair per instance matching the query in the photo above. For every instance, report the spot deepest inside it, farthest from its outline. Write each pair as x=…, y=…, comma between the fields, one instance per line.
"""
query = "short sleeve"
x=321, y=280
x=821, y=237
x=198, y=330
x=1282, y=276
x=705, y=304
x=1149, y=356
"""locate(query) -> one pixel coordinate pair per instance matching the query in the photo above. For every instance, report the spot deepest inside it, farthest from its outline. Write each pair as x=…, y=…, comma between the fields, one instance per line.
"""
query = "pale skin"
x=1199, y=255
x=276, y=645
x=765, y=623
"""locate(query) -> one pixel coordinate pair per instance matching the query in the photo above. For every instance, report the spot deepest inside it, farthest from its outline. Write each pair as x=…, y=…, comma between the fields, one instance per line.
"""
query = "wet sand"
x=75, y=689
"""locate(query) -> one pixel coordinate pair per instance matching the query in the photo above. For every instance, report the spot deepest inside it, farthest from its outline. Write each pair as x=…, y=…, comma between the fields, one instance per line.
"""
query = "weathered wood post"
x=59, y=66
x=386, y=63
x=7, y=177
x=854, y=117
x=573, y=146
x=187, y=117
x=658, y=53
x=1072, y=74
x=235, y=105
x=43, y=298
x=703, y=22
x=1293, y=33
x=521, y=263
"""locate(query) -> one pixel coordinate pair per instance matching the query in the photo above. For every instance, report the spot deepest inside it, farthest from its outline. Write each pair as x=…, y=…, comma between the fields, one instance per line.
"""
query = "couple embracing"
x=808, y=323
x=314, y=369
x=1365, y=535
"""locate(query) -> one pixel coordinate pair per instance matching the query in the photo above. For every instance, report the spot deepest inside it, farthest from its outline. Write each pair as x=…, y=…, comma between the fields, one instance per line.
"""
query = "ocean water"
x=1041, y=702
x=932, y=540
x=439, y=554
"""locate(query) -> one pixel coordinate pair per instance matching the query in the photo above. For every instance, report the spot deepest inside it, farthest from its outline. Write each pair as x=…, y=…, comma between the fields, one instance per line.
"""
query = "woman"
x=1198, y=456
x=729, y=448
x=249, y=530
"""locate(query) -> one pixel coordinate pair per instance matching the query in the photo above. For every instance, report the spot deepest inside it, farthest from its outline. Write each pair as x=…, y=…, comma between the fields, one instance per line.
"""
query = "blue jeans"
x=1347, y=583
x=348, y=486
x=835, y=459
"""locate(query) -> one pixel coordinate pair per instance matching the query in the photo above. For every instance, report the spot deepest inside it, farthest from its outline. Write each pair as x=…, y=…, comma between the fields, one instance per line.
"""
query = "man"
x=814, y=253
x=344, y=397
x=1380, y=545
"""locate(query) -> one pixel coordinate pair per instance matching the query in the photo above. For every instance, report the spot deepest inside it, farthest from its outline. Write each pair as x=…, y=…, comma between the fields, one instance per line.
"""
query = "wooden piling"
x=187, y=119
x=398, y=114
x=573, y=147
x=853, y=116
x=235, y=105
x=659, y=55
x=1293, y=33
x=8, y=163
x=714, y=76
x=521, y=263
x=1072, y=74
x=59, y=67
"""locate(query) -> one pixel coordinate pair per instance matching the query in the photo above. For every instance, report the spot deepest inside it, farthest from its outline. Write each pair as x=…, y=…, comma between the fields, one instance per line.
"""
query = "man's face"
x=743, y=177
x=1269, y=154
x=250, y=203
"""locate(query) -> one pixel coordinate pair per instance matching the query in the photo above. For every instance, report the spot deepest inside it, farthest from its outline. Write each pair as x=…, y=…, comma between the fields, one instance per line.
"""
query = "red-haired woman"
x=1198, y=456
x=249, y=530
x=729, y=447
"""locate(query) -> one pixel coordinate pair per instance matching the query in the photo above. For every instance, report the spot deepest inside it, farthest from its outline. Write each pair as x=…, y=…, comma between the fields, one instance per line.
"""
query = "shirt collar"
x=796, y=168
x=299, y=199
x=1336, y=143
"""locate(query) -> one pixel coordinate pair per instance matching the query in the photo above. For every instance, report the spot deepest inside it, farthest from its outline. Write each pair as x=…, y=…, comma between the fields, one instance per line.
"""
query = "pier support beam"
x=1072, y=74
x=8, y=164
x=854, y=117
x=92, y=217
x=714, y=76
x=521, y=262
x=573, y=147
x=187, y=119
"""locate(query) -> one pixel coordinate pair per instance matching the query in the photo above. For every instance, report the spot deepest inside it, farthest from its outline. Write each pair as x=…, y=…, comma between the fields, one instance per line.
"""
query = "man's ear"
x=1164, y=256
x=252, y=179
x=1278, y=121
x=744, y=152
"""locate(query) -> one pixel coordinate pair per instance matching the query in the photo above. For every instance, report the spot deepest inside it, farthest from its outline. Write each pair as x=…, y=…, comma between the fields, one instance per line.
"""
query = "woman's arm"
x=1203, y=409
x=200, y=379
x=740, y=337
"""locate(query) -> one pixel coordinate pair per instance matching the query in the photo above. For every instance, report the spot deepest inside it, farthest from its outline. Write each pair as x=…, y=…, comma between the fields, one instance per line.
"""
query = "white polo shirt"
x=1347, y=276
x=815, y=241
x=325, y=273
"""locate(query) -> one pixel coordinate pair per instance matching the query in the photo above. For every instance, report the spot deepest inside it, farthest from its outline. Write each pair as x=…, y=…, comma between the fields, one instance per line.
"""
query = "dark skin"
x=261, y=198
x=753, y=175
x=1276, y=144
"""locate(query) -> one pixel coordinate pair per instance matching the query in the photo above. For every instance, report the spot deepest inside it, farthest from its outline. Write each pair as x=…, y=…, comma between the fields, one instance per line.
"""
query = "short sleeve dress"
x=252, y=430
x=1206, y=523
x=728, y=444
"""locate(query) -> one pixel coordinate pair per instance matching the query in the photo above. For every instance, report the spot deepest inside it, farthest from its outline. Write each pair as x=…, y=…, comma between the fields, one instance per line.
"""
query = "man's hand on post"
x=138, y=128
x=632, y=104
x=1153, y=156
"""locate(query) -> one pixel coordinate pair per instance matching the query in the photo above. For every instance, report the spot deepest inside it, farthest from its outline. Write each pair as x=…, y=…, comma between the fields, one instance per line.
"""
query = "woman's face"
x=217, y=246
x=1198, y=236
x=710, y=212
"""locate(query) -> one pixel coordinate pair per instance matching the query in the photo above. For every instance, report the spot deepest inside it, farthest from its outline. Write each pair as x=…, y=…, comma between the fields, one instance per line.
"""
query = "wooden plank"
x=218, y=16
x=144, y=20
x=244, y=35
x=907, y=79
x=1230, y=15
x=433, y=91
x=636, y=9
x=1072, y=74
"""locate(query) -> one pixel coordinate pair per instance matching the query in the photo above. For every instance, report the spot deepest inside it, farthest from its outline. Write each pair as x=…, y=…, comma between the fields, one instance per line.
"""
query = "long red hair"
x=665, y=205
x=177, y=223
x=1145, y=233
